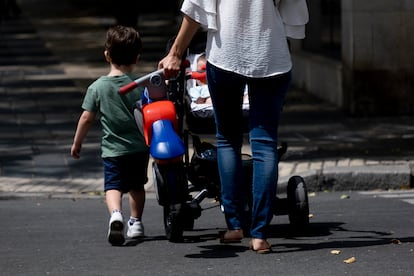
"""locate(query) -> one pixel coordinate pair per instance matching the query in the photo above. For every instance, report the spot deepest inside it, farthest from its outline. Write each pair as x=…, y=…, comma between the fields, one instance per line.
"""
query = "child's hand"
x=75, y=151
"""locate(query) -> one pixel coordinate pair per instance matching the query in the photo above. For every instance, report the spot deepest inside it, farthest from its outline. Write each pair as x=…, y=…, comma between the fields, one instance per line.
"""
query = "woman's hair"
x=123, y=45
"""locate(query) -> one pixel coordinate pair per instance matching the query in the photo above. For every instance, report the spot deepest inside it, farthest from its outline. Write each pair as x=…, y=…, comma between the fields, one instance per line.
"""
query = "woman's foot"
x=260, y=246
x=231, y=236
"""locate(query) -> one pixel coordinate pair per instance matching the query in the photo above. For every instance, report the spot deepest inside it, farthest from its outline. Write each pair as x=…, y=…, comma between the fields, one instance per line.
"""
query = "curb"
x=357, y=178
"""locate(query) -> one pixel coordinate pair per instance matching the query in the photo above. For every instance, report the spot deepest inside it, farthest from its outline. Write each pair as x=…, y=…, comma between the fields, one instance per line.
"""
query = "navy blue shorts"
x=127, y=172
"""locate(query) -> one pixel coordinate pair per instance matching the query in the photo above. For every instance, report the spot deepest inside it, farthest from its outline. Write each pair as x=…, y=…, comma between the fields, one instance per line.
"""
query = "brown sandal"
x=231, y=236
x=265, y=250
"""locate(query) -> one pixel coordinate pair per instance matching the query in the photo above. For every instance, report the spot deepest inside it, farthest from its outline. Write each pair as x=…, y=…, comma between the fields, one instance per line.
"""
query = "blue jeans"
x=266, y=97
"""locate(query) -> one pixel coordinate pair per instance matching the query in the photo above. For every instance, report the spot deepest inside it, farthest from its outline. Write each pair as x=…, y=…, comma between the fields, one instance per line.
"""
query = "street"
x=67, y=236
x=49, y=56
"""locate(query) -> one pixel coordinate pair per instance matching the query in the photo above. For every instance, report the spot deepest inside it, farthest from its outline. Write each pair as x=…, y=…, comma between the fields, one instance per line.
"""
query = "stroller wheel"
x=298, y=204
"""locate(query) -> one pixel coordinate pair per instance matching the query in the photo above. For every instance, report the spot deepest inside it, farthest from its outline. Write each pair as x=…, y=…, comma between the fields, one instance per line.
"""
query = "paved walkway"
x=52, y=52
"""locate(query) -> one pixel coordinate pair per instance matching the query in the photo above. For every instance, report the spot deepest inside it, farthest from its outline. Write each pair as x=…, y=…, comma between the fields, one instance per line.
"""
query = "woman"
x=246, y=45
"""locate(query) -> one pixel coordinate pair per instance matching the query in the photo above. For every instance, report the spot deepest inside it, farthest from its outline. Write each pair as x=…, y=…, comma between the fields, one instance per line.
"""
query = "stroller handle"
x=155, y=81
x=155, y=78
x=197, y=75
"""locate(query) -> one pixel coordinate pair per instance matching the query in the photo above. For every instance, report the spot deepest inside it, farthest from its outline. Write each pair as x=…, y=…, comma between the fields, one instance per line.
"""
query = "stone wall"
x=375, y=72
x=378, y=56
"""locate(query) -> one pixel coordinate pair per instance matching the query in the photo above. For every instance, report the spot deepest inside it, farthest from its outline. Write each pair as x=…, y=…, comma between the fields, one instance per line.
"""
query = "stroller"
x=181, y=182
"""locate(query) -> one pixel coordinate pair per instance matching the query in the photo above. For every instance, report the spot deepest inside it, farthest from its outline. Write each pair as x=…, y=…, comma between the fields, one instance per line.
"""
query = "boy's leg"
x=113, y=195
x=134, y=177
x=113, y=188
x=116, y=222
x=113, y=200
x=136, y=203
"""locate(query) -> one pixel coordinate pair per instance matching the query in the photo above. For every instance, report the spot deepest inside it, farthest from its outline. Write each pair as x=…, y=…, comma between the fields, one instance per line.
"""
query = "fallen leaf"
x=336, y=252
x=395, y=241
x=345, y=196
x=350, y=260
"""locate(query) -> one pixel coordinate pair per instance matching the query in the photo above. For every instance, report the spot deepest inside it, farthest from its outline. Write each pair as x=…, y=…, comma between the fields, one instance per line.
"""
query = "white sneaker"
x=116, y=229
x=135, y=230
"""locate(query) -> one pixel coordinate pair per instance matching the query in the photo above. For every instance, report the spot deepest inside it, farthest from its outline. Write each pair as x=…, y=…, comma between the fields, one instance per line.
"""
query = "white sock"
x=132, y=220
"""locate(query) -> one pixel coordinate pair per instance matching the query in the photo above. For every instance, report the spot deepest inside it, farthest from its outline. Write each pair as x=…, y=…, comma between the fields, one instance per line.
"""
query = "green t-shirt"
x=120, y=134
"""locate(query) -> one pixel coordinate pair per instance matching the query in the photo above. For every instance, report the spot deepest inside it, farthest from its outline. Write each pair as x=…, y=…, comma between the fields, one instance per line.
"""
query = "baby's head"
x=201, y=62
x=201, y=66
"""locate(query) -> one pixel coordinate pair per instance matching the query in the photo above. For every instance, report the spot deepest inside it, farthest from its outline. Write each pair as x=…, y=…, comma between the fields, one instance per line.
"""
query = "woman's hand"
x=171, y=64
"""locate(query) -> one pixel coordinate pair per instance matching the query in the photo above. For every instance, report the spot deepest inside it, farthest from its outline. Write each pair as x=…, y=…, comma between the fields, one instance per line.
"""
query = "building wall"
x=376, y=60
x=377, y=56
x=318, y=75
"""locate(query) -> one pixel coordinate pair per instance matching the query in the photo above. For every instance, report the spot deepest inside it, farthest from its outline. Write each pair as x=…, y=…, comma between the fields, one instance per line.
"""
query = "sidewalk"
x=50, y=54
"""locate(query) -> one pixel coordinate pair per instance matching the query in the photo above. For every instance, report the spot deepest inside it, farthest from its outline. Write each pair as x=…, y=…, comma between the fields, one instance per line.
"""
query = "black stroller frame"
x=183, y=183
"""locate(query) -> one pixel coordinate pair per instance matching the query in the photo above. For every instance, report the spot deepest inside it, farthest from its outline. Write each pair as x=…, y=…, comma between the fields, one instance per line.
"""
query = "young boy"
x=124, y=152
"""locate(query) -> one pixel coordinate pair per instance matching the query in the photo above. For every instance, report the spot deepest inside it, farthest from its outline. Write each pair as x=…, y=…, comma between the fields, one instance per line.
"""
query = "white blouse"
x=247, y=37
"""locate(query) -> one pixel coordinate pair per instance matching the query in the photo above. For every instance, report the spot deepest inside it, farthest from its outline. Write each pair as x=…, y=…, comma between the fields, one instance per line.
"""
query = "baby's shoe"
x=116, y=229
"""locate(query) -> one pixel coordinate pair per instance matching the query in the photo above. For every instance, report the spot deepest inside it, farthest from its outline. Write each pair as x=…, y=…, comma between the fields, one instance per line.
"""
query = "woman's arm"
x=172, y=62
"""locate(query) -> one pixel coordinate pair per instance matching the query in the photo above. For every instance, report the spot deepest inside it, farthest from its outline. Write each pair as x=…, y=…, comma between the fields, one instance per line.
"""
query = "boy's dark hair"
x=123, y=44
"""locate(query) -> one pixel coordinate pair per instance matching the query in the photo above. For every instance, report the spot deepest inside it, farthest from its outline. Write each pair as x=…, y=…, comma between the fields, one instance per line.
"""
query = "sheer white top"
x=247, y=37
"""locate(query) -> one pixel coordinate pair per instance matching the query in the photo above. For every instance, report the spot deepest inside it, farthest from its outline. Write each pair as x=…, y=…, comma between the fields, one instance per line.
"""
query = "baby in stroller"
x=199, y=93
x=198, y=89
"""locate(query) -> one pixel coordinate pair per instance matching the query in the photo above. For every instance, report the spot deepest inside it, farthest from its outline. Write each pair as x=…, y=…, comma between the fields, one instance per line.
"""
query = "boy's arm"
x=85, y=122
